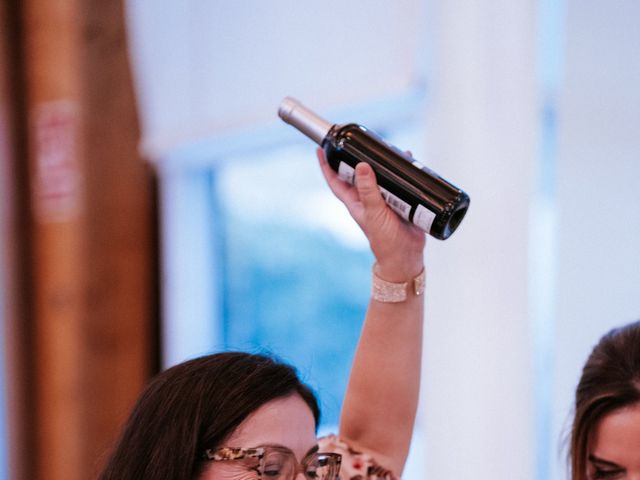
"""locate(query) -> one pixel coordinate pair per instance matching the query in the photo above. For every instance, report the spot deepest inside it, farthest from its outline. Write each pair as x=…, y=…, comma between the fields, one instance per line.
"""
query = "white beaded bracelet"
x=390, y=292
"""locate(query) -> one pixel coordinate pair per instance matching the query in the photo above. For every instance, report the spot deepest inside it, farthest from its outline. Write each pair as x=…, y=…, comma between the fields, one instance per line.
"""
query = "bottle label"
x=399, y=206
x=402, y=208
x=347, y=173
x=423, y=218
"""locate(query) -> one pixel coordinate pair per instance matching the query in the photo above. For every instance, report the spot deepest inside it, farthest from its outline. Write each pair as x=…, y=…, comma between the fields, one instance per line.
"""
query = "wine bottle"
x=413, y=191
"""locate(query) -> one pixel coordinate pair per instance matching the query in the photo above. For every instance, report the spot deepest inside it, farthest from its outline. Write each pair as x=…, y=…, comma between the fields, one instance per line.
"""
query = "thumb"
x=368, y=190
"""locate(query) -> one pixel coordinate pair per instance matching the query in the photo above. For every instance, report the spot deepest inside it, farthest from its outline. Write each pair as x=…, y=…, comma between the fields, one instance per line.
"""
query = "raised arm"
x=382, y=395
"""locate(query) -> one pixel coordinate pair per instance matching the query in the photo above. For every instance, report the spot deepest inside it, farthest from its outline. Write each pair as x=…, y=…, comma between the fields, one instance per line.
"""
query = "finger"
x=367, y=187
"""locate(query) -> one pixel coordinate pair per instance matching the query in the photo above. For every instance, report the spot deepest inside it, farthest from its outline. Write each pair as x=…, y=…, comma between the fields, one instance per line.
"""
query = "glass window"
x=296, y=269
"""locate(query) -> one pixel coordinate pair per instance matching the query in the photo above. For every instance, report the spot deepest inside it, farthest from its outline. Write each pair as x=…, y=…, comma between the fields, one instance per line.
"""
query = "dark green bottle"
x=415, y=192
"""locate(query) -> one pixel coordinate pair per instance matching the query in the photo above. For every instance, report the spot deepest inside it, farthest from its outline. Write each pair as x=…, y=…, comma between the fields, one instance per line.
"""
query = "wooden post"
x=52, y=47
x=120, y=213
x=93, y=252
x=14, y=240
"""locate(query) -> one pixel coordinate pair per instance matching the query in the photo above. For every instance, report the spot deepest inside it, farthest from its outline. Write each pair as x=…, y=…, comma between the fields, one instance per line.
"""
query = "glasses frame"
x=222, y=454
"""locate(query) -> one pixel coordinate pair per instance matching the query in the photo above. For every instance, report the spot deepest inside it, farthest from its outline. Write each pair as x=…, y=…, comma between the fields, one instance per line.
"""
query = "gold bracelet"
x=391, y=292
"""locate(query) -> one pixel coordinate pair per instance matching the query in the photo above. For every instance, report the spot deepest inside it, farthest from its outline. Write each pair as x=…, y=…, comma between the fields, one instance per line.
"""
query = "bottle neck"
x=299, y=116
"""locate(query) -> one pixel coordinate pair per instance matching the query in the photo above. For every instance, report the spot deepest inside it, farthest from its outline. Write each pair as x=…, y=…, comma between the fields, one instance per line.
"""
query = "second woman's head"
x=605, y=439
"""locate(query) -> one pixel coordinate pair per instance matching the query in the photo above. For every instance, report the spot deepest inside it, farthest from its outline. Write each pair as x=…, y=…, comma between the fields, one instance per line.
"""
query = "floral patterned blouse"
x=355, y=465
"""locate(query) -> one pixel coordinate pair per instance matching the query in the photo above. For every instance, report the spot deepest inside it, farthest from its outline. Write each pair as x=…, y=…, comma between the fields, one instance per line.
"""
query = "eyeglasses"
x=278, y=463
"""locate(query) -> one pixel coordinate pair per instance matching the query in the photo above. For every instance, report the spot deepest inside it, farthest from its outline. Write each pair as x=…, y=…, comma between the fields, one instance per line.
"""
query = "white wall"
x=478, y=395
x=206, y=69
x=598, y=184
x=210, y=77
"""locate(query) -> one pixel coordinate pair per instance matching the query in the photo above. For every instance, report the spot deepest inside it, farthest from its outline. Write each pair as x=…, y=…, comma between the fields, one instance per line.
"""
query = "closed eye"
x=599, y=474
x=604, y=470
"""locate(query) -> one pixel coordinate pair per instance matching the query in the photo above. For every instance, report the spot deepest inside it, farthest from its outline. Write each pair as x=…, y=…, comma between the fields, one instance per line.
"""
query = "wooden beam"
x=93, y=250
x=120, y=233
x=52, y=39
x=14, y=227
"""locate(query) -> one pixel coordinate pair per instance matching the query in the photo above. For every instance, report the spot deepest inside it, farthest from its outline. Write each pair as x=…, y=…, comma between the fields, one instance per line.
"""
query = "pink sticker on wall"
x=57, y=179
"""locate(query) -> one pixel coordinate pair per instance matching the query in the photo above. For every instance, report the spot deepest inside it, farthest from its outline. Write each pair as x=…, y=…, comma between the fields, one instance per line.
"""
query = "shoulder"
x=356, y=465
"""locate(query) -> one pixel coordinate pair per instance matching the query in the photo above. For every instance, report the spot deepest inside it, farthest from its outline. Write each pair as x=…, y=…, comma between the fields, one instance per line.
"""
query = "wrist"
x=400, y=270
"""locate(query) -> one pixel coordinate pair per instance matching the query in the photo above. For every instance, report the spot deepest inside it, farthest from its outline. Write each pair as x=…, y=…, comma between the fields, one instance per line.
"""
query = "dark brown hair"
x=194, y=406
x=610, y=380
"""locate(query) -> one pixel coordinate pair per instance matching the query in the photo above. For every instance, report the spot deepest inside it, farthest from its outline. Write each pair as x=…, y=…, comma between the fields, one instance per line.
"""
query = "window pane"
x=296, y=274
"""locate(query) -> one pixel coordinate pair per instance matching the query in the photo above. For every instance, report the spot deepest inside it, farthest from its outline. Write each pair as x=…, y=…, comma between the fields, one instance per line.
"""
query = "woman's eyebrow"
x=275, y=445
x=594, y=459
x=312, y=450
